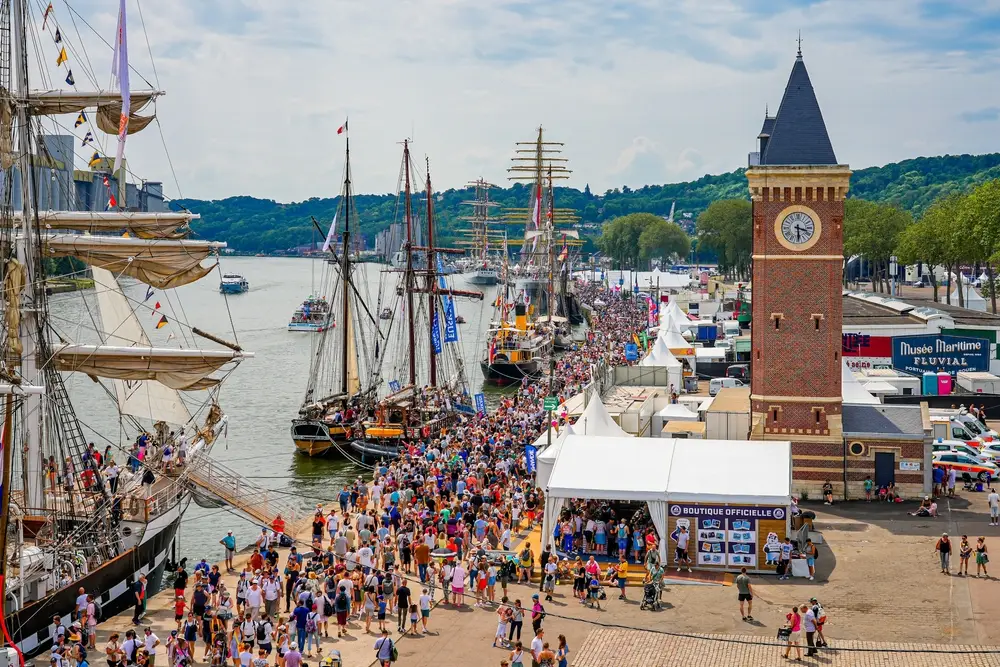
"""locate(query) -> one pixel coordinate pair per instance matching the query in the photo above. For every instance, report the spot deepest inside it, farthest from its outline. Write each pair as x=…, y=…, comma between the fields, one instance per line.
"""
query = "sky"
x=641, y=92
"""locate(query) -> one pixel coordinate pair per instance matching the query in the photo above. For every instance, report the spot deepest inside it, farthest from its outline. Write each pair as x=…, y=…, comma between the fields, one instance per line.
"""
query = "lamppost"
x=892, y=275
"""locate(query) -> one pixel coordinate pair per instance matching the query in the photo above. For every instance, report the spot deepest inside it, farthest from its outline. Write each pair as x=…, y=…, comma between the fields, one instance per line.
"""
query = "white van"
x=730, y=329
x=717, y=384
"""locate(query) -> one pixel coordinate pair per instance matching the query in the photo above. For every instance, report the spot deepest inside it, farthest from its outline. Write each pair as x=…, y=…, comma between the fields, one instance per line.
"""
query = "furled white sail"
x=176, y=368
x=162, y=263
x=353, y=378
x=107, y=102
x=163, y=225
x=141, y=399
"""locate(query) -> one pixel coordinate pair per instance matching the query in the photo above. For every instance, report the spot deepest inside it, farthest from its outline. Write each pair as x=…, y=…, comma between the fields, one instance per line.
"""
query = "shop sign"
x=909, y=466
x=728, y=536
x=865, y=345
x=918, y=354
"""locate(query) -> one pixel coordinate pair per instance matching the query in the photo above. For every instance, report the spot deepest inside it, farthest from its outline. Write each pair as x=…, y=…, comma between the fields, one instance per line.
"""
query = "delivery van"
x=715, y=385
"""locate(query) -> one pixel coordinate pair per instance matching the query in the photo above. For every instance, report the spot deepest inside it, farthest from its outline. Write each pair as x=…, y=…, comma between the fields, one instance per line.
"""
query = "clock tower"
x=798, y=190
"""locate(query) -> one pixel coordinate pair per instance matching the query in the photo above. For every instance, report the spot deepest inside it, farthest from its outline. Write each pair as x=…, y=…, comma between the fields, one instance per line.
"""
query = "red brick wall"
x=796, y=359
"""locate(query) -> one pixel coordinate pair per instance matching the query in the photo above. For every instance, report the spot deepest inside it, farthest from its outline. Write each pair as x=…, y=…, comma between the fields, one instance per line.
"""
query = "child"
x=381, y=612
x=550, y=585
x=179, y=611
x=414, y=616
x=868, y=488
x=425, y=609
x=503, y=616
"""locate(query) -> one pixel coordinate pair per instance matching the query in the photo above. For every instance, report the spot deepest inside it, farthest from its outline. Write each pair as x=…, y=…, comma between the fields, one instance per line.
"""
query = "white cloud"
x=640, y=92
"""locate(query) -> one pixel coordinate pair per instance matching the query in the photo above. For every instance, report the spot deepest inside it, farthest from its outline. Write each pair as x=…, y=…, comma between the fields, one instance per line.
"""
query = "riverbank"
x=62, y=285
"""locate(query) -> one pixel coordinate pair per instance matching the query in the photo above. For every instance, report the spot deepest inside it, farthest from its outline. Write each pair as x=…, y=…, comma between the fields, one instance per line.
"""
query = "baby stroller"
x=650, y=597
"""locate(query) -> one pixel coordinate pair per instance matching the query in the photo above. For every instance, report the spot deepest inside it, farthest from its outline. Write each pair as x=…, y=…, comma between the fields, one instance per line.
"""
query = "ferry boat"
x=233, y=283
x=484, y=274
x=313, y=316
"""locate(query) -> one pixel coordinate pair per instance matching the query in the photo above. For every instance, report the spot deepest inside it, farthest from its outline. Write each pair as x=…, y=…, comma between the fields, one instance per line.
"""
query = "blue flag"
x=481, y=403
x=631, y=351
x=531, y=458
x=436, y=334
x=450, y=325
x=394, y=386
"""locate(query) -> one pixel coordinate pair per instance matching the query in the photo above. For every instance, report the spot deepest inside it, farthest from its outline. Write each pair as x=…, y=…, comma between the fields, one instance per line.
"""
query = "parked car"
x=966, y=465
x=958, y=447
x=740, y=371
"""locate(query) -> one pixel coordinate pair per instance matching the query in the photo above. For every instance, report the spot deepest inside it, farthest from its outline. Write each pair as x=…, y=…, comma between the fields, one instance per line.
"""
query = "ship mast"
x=31, y=408
x=408, y=281
x=346, y=272
x=431, y=281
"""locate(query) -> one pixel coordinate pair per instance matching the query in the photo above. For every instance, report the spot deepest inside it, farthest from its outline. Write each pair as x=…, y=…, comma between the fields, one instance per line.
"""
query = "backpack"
x=261, y=632
x=98, y=610
x=327, y=607
x=311, y=623
x=342, y=603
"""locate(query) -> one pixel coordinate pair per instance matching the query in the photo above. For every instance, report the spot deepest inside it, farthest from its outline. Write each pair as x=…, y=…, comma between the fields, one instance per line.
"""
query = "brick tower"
x=798, y=192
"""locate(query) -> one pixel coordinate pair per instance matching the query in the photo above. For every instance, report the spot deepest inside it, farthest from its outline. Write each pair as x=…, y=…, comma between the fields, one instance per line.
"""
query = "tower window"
x=816, y=318
x=836, y=356
x=758, y=354
x=817, y=412
x=774, y=415
x=777, y=317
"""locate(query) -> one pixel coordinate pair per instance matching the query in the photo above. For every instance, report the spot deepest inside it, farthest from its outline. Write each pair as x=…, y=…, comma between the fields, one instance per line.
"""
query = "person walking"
x=809, y=625
x=982, y=557
x=681, y=555
x=384, y=648
x=943, y=548
x=537, y=644
x=622, y=574
x=994, y=502
x=810, y=552
x=745, y=594
x=402, y=605
x=793, y=626
x=139, y=598
x=537, y=613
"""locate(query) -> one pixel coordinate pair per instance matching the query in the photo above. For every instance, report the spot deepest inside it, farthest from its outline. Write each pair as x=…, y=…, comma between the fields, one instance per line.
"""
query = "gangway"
x=257, y=503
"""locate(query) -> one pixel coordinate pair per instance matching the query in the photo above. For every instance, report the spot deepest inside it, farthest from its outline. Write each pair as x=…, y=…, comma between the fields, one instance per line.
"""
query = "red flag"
x=157, y=307
x=112, y=202
x=342, y=128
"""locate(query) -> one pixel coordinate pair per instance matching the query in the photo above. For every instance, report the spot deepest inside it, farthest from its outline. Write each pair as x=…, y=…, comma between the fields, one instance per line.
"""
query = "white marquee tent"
x=677, y=412
x=758, y=472
x=547, y=457
x=596, y=420
x=851, y=389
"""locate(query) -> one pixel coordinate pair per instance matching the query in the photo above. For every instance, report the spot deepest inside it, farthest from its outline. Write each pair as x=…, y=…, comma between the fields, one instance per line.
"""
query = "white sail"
x=176, y=368
x=353, y=379
x=120, y=327
x=107, y=102
x=162, y=263
x=166, y=224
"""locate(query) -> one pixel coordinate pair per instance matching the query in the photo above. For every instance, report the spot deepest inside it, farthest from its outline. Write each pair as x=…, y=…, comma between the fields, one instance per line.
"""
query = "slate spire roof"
x=797, y=132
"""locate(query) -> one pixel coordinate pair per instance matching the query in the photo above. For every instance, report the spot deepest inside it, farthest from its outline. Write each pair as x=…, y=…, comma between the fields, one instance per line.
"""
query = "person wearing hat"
x=820, y=615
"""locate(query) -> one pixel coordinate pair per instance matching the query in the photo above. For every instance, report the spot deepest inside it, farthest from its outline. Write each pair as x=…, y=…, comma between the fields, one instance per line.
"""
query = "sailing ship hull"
x=31, y=627
x=315, y=438
x=507, y=372
x=308, y=327
x=481, y=277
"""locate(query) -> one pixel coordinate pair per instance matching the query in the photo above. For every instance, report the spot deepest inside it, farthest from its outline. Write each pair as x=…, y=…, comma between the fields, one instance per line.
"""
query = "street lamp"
x=892, y=275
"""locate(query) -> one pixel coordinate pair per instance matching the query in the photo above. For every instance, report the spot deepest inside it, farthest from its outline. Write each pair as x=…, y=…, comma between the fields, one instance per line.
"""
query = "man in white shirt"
x=81, y=603
x=365, y=556
x=150, y=642
x=536, y=645
x=255, y=598
x=332, y=525
x=994, y=501
x=272, y=594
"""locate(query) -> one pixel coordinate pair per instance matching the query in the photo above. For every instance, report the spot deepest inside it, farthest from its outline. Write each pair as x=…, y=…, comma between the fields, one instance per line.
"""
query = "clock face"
x=798, y=228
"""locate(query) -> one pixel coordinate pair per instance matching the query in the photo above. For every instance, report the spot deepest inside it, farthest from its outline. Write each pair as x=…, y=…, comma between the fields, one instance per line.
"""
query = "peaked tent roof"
x=673, y=338
x=596, y=420
x=798, y=135
x=552, y=453
x=660, y=355
x=851, y=389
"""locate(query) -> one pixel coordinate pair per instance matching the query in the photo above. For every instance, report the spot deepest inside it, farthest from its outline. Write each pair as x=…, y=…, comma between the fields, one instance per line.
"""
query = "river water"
x=264, y=393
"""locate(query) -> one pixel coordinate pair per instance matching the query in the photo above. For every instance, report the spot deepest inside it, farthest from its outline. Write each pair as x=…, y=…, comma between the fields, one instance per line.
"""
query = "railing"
x=258, y=503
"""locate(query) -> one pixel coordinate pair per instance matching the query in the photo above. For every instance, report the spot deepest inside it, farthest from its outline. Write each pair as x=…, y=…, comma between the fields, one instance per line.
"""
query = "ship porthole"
x=126, y=532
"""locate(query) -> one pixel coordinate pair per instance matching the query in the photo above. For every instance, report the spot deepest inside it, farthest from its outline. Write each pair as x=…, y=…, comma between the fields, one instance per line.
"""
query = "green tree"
x=980, y=216
x=726, y=227
x=662, y=239
x=872, y=230
x=620, y=238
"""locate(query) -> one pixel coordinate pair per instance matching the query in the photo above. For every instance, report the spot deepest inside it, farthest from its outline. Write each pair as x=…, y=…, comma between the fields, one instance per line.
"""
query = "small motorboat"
x=460, y=319
x=386, y=314
x=233, y=283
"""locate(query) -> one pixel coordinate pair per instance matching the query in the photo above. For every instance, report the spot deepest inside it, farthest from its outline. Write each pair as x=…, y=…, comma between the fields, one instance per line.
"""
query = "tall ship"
x=344, y=372
x=68, y=520
x=548, y=230
x=483, y=262
x=428, y=388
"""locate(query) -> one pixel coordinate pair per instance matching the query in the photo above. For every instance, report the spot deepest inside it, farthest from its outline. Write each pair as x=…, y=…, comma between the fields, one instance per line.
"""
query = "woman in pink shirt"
x=794, y=623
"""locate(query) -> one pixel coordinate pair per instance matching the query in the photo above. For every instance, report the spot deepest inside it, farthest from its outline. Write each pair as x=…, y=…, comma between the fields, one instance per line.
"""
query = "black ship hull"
x=316, y=439
x=503, y=373
x=31, y=627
